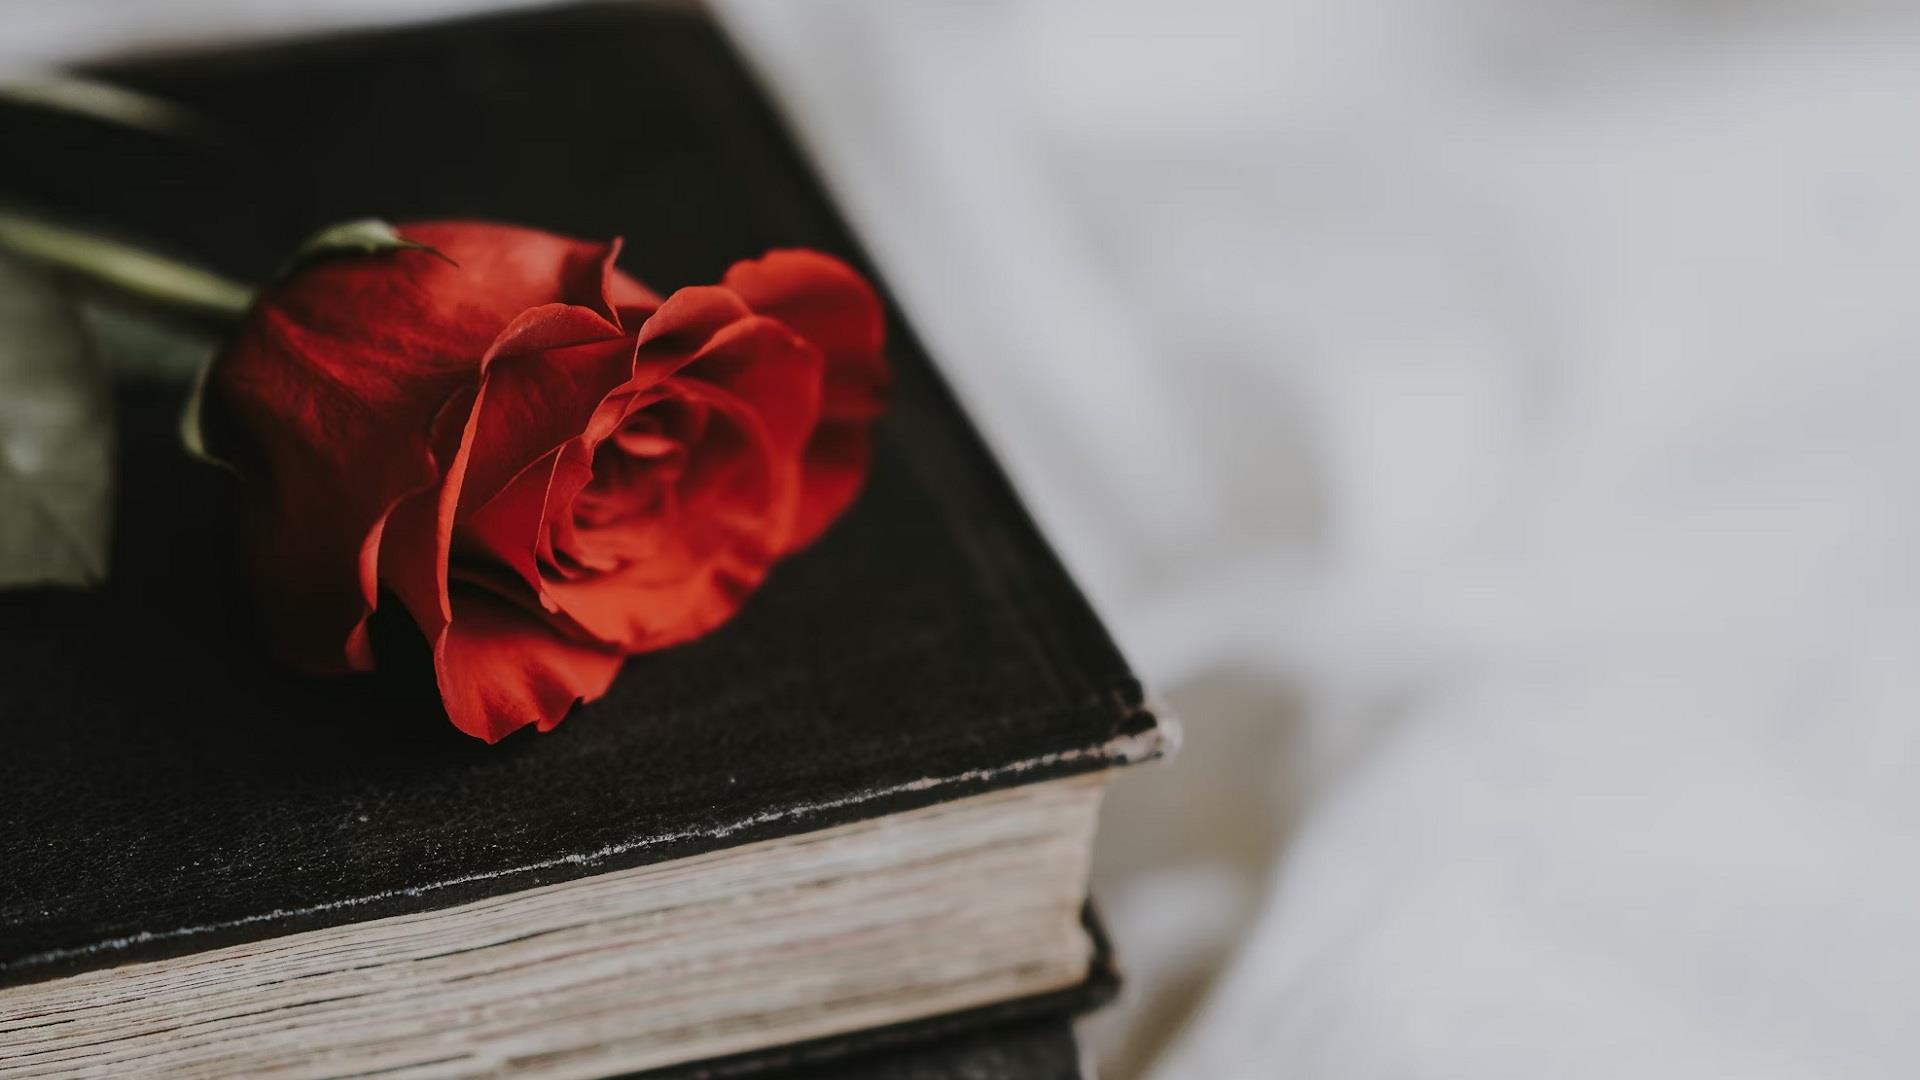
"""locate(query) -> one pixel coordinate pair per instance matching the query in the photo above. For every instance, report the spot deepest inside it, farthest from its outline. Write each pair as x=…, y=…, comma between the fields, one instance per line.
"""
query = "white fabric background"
x=1496, y=426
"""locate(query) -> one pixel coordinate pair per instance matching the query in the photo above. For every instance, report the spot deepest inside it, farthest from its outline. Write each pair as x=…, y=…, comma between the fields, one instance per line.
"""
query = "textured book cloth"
x=166, y=790
x=1036, y=1049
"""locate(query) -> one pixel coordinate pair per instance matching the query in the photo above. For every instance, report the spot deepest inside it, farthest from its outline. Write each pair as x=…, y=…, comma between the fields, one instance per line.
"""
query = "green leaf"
x=365, y=236
x=56, y=439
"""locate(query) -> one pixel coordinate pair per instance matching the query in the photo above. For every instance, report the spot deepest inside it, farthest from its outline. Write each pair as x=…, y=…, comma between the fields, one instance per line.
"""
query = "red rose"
x=550, y=466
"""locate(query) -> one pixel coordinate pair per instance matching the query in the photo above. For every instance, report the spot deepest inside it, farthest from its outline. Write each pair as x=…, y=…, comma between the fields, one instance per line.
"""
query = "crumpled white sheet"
x=1496, y=426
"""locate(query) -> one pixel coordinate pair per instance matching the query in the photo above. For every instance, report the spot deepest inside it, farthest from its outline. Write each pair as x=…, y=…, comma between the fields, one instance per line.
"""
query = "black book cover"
x=165, y=789
x=1033, y=1049
x=1037, y=1048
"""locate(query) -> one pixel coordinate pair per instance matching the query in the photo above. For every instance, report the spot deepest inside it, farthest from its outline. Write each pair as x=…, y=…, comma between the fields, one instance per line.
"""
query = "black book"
x=1042, y=1048
x=864, y=805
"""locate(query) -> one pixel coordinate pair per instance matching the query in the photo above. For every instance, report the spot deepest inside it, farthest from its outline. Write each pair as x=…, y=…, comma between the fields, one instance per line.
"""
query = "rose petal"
x=556, y=545
x=760, y=362
x=507, y=529
x=825, y=301
x=682, y=327
x=412, y=560
x=501, y=668
x=543, y=379
x=670, y=598
x=624, y=300
x=737, y=507
x=417, y=534
x=830, y=476
x=489, y=273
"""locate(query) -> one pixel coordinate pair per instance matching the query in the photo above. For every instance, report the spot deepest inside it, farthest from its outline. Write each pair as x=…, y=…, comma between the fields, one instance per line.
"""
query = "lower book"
x=1028, y=1038
x=1032, y=1049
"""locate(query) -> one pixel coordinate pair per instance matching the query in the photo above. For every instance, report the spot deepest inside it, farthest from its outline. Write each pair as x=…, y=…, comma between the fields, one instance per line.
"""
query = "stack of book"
x=846, y=835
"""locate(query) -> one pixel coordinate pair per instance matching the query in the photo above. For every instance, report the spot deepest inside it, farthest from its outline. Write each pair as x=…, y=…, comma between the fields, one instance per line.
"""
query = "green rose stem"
x=141, y=275
x=184, y=291
x=107, y=102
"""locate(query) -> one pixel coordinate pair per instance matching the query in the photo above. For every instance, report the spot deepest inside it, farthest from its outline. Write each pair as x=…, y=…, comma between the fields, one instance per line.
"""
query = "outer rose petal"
x=681, y=327
x=333, y=383
x=538, y=394
x=825, y=301
x=831, y=474
x=501, y=669
x=490, y=273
